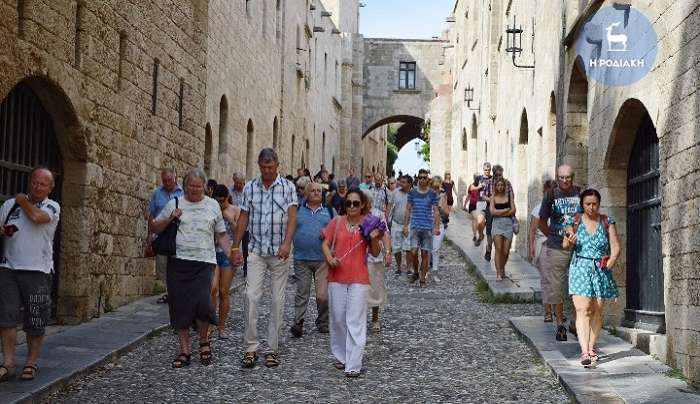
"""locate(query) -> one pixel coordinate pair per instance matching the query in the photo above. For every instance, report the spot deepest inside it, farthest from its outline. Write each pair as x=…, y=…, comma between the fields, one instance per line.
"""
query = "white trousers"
x=348, y=322
x=437, y=243
x=279, y=270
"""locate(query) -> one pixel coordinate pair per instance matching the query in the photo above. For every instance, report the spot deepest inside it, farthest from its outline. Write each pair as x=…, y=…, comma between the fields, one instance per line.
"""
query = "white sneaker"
x=435, y=277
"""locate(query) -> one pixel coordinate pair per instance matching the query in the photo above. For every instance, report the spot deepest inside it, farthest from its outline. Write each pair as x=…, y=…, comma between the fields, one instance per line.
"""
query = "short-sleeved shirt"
x=422, y=208
x=268, y=214
x=489, y=186
x=236, y=196
x=380, y=197
x=338, y=203
x=31, y=246
x=307, y=236
x=399, y=200
x=161, y=197
x=559, y=207
x=199, y=224
x=350, y=250
x=536, y=213
x=352, y=182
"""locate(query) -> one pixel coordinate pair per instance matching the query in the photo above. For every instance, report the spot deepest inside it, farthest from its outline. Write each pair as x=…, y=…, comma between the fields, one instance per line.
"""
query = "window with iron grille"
x=407, y=75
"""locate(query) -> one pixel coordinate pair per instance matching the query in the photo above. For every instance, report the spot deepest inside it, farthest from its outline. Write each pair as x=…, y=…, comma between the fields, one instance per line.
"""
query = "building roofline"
x=405, y=40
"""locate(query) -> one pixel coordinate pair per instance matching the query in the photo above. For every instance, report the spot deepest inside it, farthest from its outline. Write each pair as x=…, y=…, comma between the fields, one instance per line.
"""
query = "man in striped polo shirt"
x=268, y=213
x=424, y=220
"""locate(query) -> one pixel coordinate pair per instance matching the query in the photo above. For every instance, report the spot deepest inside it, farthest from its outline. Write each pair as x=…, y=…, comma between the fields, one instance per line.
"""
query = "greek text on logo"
x=617, y=45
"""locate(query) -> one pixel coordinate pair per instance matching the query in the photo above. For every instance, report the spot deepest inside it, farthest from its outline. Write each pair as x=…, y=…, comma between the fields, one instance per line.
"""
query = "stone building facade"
x=107, y=93
x=636, y=143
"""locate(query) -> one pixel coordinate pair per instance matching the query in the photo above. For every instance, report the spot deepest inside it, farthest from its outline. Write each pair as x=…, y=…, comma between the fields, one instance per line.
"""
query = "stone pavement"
x=437, y=344
x=624, y=373
x=522, y=279
x=71, y=351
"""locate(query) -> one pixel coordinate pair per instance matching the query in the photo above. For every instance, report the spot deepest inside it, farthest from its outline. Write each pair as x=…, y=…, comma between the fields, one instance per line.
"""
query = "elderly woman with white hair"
x=190, y=270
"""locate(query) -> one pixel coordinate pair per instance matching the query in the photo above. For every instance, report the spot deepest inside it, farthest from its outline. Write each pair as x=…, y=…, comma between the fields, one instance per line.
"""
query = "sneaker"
x=435, y=277
x=397, y=272
x=413, y=278
x=561, y=333
x=487, y=256
x=474, y=239
x=297, y=329
x=376, y=327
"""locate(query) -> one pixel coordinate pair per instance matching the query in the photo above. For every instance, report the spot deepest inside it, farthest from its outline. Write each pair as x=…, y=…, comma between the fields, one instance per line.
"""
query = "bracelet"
x=234, y=249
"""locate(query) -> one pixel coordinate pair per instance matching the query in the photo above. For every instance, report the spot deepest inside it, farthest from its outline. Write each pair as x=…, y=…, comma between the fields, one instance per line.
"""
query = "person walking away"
x=596, y=248
x=28, y=225
x=191, y=269
x=345, y=250
x=400, y=243
x=424, y=220
x=309, y=262
x=376, y=266
x=558, y=205
x=338, y=199
x=224, y=271
x=535, y=240
x=443, y=209
x=168, y=190
x=478, y=217
x=449, y=187
x=269, y=213
x=502, y=208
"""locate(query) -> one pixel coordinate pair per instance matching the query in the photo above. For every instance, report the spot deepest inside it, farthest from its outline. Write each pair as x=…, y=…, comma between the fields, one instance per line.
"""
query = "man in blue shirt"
x=309, y=262
x=424, y=220
x=160, y=197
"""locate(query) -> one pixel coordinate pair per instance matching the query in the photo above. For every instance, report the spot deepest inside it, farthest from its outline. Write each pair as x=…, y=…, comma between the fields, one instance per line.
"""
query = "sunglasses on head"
x=352, y=204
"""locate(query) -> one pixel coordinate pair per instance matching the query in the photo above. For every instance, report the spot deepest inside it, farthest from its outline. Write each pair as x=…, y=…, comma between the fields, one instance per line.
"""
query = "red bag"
x=604, y=262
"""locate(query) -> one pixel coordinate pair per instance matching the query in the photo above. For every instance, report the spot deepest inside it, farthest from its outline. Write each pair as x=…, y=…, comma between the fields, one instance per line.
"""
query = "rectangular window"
x=407, y=75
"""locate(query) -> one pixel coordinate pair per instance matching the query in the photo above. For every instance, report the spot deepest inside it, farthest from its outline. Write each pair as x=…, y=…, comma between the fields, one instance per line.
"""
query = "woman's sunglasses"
x=352, y=204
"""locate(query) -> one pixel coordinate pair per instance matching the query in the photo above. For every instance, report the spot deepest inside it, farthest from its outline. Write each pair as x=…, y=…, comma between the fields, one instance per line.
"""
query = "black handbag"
x=2, y=237
x=164, y=243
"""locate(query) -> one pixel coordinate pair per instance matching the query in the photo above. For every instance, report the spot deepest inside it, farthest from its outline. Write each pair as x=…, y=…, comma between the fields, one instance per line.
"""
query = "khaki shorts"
x=554, y=270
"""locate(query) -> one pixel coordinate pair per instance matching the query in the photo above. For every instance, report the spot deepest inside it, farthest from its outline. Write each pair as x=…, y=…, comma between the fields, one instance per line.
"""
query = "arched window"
x=323, y=149
x=207, y=149
x=250, y=150
x=293, y=143
x=275, y=135
x=223, y=125
x=278, y=20
x=464, y=139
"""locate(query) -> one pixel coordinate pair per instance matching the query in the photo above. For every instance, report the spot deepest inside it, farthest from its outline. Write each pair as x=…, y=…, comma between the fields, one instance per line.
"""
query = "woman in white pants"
x=345, y=250
x=444, y=209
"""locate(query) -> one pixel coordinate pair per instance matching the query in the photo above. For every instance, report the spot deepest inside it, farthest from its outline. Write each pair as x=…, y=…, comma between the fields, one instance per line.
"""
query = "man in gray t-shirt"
x=398, y=201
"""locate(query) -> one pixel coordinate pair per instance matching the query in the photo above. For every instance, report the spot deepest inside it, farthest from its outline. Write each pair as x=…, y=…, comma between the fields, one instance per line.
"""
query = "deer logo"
x=616, y=39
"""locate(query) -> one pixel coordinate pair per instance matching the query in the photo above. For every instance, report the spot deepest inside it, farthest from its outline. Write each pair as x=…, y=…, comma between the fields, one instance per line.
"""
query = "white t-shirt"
x=536, y=213
x=199, y=224
x=31, y=247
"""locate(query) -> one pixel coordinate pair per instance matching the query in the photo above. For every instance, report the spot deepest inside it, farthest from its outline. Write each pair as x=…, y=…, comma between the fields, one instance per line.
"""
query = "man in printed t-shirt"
x=559, y=205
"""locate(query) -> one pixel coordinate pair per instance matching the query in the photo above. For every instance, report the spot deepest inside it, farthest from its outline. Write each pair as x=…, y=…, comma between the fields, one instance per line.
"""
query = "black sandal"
x=271, y=360
x=548, y=318
x=205, y=357
x=182, y=360
x=9, y=373
x=162, y=300
x=29, y=372
x=249, y=359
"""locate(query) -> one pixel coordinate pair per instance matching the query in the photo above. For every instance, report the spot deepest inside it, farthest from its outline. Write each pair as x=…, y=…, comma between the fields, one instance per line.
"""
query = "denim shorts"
x=222, y=260
x=422, y=238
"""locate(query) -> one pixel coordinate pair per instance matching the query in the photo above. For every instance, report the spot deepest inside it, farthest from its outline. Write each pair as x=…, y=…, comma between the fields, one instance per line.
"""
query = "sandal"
x=548, y=318
x=222, y=335
x=594, y=356
x=585, y=359
x=339, y=365
x=8, y=373
x=162, y=300
x=353, y=373
x=182, y=360
x=249, y=359
x=205, y=356
x=271, y=360
x=29, y=372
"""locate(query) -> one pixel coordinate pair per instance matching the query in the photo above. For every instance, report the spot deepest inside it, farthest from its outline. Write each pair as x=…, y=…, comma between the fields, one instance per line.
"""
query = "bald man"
x=26, y=264
x=558, y=206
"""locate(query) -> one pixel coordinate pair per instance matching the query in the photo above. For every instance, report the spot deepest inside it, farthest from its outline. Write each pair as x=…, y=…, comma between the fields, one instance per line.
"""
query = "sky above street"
x=415, y=19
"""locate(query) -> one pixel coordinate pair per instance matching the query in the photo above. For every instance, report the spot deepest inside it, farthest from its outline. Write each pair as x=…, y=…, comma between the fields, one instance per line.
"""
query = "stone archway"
x=633, y=154
x=575, y=143
x=38, y=107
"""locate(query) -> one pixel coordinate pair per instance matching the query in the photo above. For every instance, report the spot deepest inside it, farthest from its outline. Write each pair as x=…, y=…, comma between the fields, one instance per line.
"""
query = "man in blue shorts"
x=424, y=220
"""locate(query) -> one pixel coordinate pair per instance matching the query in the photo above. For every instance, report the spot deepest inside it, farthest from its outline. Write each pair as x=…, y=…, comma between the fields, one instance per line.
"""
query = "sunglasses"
x=422, y=177
x=352, y=204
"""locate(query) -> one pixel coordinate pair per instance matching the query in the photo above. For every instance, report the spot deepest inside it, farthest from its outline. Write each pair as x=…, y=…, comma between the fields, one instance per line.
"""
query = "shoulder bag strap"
x=12, y=209
x=335, y=233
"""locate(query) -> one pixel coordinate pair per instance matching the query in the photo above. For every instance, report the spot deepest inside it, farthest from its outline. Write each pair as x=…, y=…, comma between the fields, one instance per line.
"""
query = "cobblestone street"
x=438, y=344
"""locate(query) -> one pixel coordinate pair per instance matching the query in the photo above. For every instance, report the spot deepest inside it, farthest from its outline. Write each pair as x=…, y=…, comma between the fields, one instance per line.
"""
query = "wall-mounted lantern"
x=514, y=42
x=469, y=98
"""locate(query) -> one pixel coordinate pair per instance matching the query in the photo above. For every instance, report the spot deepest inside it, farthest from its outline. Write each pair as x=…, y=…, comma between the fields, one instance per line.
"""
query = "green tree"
x=424, y=150
x=392, y=152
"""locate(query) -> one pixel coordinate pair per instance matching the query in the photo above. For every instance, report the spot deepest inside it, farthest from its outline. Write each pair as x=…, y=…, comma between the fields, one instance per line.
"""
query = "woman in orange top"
x=348, y=280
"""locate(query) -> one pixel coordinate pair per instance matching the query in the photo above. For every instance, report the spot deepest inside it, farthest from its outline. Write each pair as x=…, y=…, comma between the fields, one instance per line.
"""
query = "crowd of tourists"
x=341, y=234
x=573, y=245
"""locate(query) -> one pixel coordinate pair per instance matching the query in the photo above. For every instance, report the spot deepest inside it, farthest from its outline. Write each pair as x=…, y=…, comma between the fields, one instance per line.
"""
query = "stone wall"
x=92, y=66
x=528, y=119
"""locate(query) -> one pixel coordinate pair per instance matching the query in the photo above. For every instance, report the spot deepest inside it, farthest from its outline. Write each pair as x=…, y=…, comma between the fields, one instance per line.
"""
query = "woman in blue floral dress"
x=596, y=248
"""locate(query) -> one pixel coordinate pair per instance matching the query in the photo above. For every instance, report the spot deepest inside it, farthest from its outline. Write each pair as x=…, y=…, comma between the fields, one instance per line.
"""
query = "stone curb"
x=624, y=374
x=53, y=385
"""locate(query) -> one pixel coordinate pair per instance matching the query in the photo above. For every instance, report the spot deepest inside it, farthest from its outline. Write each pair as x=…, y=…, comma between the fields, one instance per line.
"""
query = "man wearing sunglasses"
x=424, y=220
